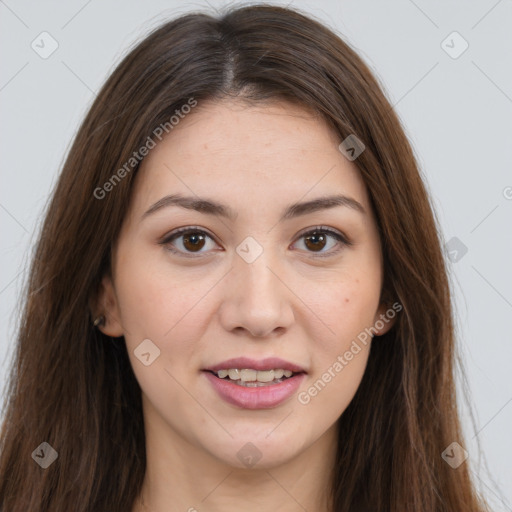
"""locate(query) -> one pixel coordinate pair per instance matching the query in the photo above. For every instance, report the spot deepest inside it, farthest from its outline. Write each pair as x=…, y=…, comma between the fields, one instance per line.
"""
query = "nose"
x=257, y=298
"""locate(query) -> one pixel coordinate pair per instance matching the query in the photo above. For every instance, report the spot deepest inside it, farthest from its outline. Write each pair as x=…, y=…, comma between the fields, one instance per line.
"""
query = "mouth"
x=251, y=378
x=251, y=384
x=248, y=372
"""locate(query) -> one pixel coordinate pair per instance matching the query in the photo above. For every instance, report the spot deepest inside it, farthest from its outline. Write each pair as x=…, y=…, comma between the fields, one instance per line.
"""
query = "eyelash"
x=343, y=240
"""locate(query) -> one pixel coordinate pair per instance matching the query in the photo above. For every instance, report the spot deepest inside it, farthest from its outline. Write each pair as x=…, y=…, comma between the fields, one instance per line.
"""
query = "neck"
x=182, y=477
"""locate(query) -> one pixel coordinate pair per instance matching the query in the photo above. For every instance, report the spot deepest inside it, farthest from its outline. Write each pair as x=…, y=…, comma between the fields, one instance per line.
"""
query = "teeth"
x=234, y=374
x=265, y=376
x=278, y=374
x=249, y=375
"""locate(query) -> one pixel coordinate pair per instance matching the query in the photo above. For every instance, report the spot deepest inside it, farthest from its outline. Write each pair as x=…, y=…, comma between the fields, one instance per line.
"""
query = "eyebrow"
x=211, y=207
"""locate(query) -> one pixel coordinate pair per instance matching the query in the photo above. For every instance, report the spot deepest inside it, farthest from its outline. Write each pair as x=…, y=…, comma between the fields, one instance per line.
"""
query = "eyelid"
x=338, y=235
x=342, y=239
x=185, y=229
x=166, y=239
x=326, y=229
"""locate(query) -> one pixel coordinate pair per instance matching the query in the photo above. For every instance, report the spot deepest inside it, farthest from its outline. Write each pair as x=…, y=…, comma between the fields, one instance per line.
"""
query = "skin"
x=213, y=305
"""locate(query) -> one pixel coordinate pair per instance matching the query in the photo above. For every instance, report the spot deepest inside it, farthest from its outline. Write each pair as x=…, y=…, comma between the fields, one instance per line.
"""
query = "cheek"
x=165, y=311
x=171, y=310
x=154, y=302
x=347, y=307
x=340, y=359
x=331, y=390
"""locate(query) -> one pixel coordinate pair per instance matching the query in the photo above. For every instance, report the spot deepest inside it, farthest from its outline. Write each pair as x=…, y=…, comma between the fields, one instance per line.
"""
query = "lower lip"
x=262, y=397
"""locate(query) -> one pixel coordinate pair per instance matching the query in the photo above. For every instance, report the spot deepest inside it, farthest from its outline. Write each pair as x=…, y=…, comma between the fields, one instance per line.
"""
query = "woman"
x=238, y=298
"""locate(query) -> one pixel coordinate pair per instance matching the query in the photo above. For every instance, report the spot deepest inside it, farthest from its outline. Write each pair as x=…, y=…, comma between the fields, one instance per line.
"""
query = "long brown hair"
x=73, y=387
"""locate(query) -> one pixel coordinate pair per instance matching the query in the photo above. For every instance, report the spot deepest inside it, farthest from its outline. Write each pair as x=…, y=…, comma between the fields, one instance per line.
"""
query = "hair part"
x=74, y=388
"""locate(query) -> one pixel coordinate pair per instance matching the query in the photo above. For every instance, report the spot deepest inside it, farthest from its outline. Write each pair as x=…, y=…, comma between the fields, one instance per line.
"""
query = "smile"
x=254, y=394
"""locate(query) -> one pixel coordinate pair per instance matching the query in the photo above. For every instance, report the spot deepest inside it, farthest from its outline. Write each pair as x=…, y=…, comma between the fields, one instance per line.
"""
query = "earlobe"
x=384, y=319
x=107, y=316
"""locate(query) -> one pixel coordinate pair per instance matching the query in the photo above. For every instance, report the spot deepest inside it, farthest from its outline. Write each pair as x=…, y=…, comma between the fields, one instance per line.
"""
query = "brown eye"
x=315, y=241
x=187, y=241
x=193, y=241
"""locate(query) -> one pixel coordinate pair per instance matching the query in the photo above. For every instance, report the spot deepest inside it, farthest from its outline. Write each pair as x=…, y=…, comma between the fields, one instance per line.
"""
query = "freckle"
x=347, y=299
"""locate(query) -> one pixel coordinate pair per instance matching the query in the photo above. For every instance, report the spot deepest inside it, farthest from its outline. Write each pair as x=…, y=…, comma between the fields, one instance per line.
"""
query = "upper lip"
x=269, y=363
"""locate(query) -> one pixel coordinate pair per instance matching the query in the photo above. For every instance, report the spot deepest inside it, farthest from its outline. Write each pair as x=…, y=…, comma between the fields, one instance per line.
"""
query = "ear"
x=108, y=306
x=385, y=317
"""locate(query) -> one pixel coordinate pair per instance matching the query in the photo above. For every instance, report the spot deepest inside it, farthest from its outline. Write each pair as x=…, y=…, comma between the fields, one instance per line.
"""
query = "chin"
x=257, y=452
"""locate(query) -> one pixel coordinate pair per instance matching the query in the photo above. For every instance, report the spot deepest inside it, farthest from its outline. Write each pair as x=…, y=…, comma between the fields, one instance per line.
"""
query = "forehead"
x=250, y=156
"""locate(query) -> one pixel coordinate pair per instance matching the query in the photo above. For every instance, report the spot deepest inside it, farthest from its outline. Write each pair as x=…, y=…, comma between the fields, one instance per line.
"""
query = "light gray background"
x=457, y=113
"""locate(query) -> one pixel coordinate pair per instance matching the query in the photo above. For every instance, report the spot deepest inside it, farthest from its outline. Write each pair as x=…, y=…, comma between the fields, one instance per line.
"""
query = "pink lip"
x=263, y=397
x=270, y=363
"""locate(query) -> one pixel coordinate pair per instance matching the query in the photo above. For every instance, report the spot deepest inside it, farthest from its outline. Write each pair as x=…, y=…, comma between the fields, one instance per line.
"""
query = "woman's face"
x=255, y=283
